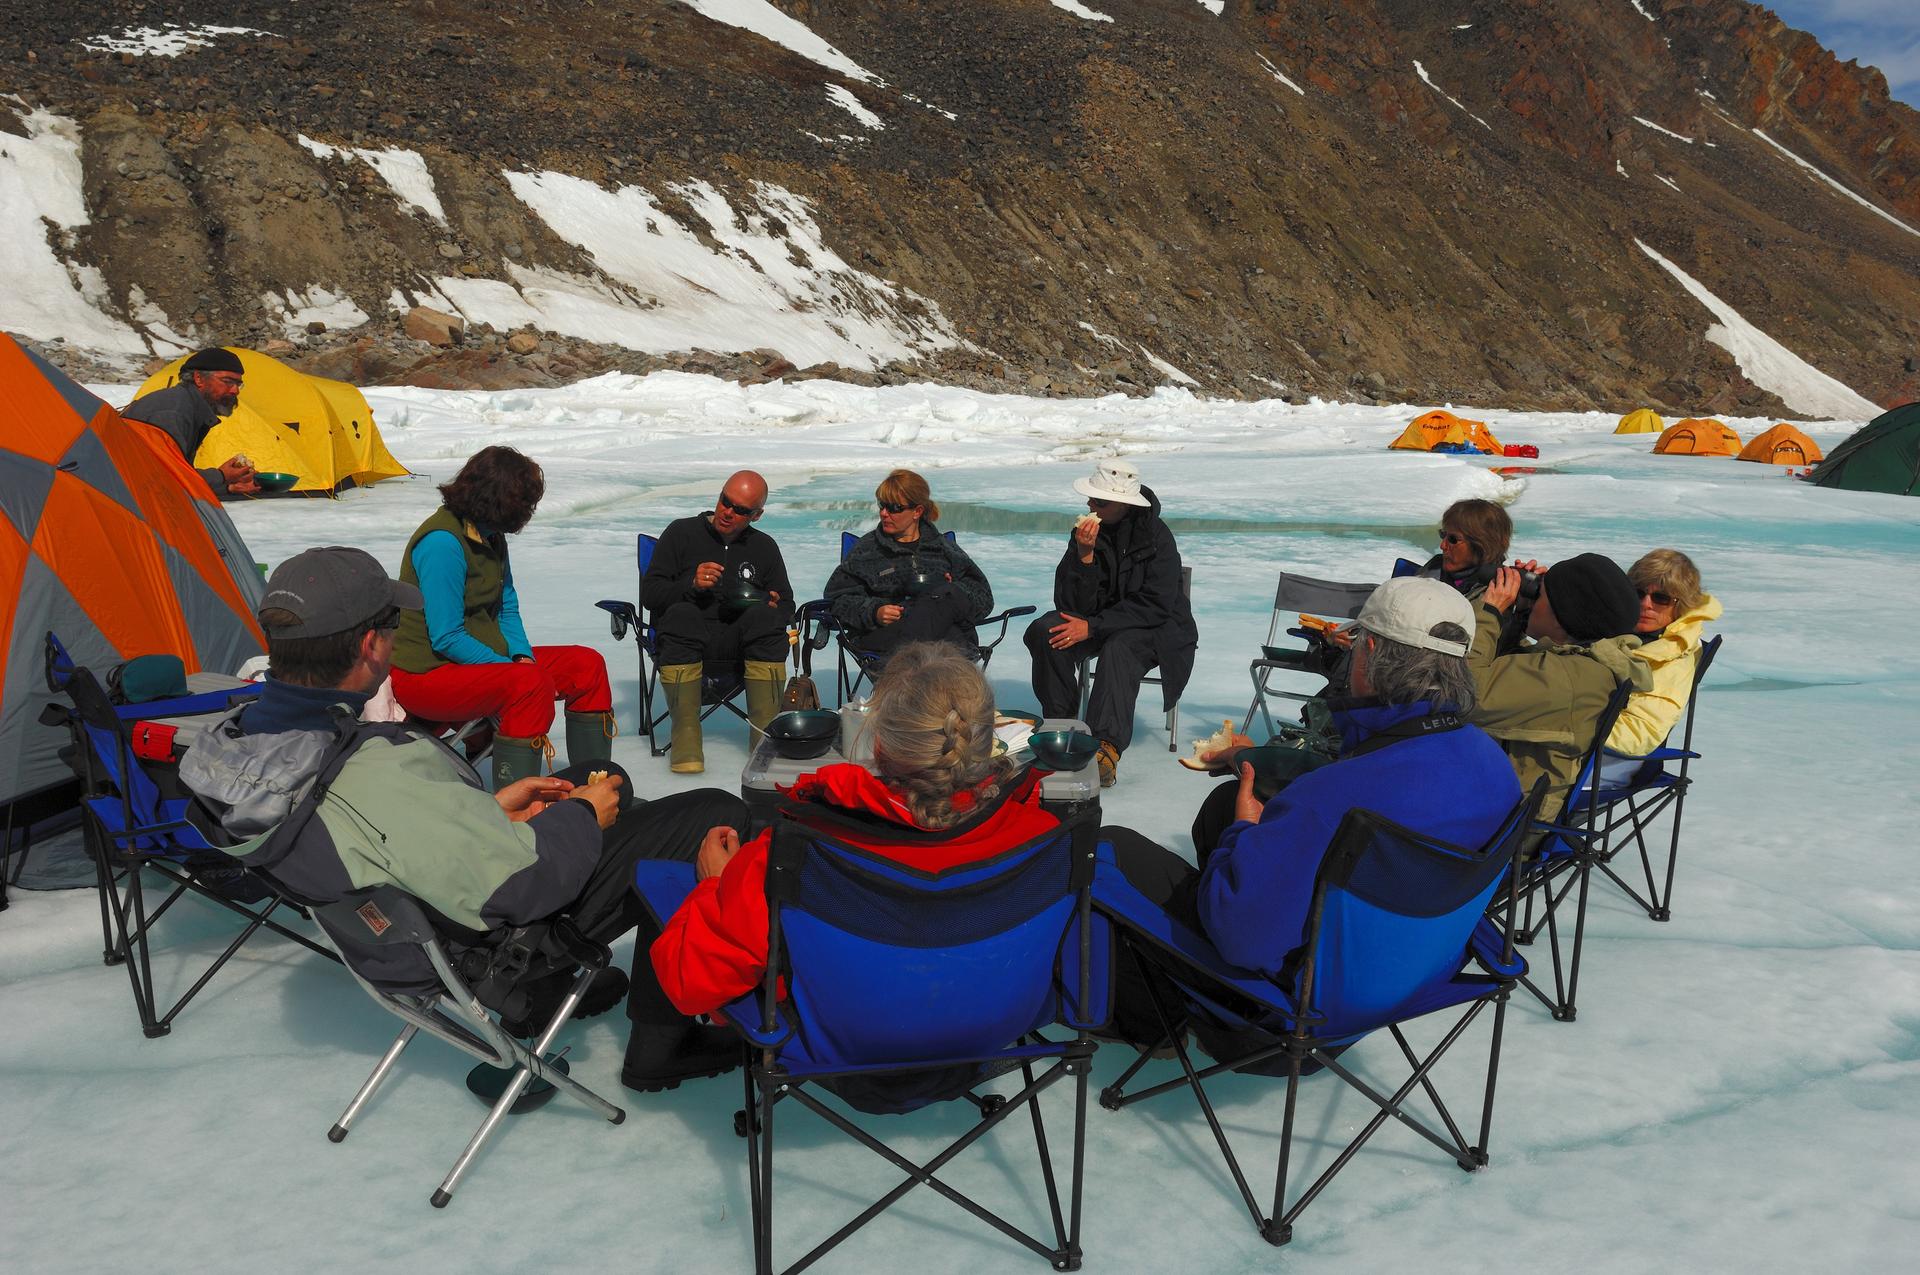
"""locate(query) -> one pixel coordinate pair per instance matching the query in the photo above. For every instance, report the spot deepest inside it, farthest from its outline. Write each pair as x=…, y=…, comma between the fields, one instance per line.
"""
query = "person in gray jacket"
x=401, y=807
x=904, y=581
x=186, y=412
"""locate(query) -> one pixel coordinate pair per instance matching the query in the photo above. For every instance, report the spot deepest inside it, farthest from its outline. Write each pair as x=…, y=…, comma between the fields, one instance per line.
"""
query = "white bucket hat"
x=1115, y=480
x=1406, y=610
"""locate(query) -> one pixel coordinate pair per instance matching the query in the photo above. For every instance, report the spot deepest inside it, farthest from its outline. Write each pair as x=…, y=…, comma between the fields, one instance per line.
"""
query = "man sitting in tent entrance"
x=209, y=388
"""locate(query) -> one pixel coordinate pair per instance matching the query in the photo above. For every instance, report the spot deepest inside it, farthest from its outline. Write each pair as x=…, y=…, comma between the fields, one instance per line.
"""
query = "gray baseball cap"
x=332, y=590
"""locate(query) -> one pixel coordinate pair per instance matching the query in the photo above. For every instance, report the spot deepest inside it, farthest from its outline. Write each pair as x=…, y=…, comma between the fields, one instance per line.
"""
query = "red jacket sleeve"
x=714, y=949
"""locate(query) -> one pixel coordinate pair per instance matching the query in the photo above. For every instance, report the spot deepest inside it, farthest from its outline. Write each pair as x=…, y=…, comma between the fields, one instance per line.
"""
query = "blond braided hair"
x=932, y=723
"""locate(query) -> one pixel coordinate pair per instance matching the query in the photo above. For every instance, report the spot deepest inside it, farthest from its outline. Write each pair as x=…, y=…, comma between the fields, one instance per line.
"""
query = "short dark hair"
x=317, y=661
x=1485, y=525
x=496, y=490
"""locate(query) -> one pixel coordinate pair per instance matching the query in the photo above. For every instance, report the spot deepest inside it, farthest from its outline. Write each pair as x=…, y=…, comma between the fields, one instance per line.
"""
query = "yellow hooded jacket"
x=1649, y=716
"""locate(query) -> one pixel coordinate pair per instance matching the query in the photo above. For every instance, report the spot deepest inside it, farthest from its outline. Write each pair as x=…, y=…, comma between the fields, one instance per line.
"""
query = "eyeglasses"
x=1658, y=598
x=745, y=511
x=895, y=507
x=1452, y=538
x=387, y=621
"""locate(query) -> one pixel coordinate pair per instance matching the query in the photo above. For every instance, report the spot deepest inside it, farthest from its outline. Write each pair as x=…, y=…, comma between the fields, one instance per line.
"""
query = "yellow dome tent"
x=1693, y=437
x=1441, y=429
x=1782, y=445
x=1641, y=421
x=320, y=431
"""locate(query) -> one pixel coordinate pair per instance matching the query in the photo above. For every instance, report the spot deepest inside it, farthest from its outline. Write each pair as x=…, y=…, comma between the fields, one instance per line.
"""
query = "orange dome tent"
x=1693, y=437
x=1642, y=421
x=1782, y=445
x=1441, y=430
x=109, y=540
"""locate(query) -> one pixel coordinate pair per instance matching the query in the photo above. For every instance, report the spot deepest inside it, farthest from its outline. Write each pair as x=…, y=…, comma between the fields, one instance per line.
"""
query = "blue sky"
x=1881, y=33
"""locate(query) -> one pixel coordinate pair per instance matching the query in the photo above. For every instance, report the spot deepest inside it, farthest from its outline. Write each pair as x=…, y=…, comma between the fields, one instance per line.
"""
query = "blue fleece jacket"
x=440, y=565
x=282, y=706
x=1257, y=888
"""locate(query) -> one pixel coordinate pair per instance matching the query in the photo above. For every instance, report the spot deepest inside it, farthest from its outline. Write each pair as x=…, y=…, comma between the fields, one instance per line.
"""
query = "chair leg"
x=1493, y=1076
x=344, y=1124
x=763, y=1183
x=1046, y=1163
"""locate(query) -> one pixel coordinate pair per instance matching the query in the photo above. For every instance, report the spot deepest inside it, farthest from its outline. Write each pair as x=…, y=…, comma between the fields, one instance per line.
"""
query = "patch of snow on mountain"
x=1079, y=10
x=661, y=288
x=1165, y=368
x=1620, y=168
x=1274, y=71
x=1213, y=6
x=163, y=42
x=1875, y=209
x=404, y=171
x=1641, y=119
x=315, y=305
x=769, y=23
x=842, y=96
x=1641, y=9
x=41, y=201
x=1766, y=362
x=1428, y=81
x=1669, y=182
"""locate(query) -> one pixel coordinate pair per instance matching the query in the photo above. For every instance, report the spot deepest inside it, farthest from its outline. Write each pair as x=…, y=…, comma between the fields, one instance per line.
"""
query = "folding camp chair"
x=1294, y=596
x=1636, y=791
x=1396, y=922
x=858, y=666
x=1085, y=671
x=386, y=916
x=1558, y=861
x=135, y=823
x=718, y=688
x=892, y=973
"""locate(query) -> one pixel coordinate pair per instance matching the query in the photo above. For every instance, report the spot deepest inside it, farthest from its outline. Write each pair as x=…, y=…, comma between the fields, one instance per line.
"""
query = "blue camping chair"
x=858, y=666
x=718, y=688
x=968, y=965
x=1558, y=862
x=135, y=822
x=1396, y=926
x=1634, y=792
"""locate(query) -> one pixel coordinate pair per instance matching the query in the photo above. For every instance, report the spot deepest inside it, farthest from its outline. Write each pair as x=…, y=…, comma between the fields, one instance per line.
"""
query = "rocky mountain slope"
x=1417, y=200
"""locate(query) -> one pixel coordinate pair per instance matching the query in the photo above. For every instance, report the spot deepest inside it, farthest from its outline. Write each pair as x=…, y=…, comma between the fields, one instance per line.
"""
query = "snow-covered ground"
x=1740, y=1091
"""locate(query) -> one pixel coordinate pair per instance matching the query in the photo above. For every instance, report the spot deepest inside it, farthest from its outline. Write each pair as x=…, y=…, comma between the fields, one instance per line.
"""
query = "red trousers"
x=520, y=696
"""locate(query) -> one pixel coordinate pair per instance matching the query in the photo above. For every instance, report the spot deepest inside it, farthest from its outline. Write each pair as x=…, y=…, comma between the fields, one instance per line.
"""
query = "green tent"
x=1882, y=455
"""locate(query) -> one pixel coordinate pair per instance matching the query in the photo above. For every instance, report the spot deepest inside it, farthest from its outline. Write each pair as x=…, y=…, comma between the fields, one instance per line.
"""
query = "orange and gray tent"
x=1693, y=437
x=1641, y=421
x=109, y=540
x=1781, y=445
x=1441, y=430
x=319, y=430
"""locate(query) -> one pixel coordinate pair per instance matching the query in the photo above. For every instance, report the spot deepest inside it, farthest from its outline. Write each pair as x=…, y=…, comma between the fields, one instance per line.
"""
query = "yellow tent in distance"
x=1640, y=421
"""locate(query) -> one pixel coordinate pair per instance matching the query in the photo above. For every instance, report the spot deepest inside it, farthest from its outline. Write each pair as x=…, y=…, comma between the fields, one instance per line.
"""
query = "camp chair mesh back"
x=857, y=667
x=1085, y=671
x=1394, y=932
x=906, y=988
x=1628, y=805
x=1558, y=862
x=719, y=687
x=134, y=825
x=386, y=916
x=1294, y=596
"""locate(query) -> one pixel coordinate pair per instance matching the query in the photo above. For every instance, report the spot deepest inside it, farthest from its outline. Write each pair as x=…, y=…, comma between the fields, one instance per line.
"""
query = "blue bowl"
x=1065, y=751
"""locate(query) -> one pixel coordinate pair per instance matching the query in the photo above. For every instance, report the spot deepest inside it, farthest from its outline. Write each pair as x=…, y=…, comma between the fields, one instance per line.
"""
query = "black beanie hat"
x=1592, y=597
x=217, y=359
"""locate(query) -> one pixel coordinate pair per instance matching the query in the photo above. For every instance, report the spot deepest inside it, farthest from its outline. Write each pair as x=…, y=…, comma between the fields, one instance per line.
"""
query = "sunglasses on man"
x=745, y=511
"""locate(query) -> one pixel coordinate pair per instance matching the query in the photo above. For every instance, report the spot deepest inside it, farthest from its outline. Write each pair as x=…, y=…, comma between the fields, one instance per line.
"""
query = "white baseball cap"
x=1407, y=609
x=1115, y=480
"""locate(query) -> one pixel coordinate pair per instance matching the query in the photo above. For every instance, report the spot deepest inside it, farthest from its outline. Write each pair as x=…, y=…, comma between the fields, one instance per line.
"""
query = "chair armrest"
x=384, y=914
x=621, y=615
x=1003, y=619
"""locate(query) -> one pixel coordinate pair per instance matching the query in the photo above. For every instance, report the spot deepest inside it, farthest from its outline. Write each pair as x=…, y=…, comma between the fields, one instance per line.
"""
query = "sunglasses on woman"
x=895, y=507
x=1452, y=538
x=1659, y=599
x=745, y=511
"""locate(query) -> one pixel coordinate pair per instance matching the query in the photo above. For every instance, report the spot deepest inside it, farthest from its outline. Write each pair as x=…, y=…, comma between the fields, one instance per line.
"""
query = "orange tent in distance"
x=1693, y=437
x=1782, y=445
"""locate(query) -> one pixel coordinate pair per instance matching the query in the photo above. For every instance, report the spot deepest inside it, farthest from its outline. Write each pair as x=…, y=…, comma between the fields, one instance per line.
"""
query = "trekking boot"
x=1109, y=759
x=765, y=680
x=660, y=1056
x=608, y=988
x=590, y=737
x=517, y=758
x=681, y=683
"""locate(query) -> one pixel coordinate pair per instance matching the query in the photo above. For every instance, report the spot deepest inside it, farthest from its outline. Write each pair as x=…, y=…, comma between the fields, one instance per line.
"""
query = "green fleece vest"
x=486, y=585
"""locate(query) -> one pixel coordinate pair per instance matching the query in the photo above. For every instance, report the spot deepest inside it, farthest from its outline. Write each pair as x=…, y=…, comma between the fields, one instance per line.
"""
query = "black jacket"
x=876, y=571
x=1133, y=582
x=688, y=542
x=187, y=418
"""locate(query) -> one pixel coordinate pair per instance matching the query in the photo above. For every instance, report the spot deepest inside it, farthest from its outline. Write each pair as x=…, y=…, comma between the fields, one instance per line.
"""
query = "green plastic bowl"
x=273, y=481
x=802, y=733
x=1065, y=751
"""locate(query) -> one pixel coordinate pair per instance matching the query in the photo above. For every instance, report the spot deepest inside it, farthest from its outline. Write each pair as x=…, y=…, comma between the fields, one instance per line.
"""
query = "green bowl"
x=1065, y=751
x=741, y=597
x=273, y=481
x=802, y=733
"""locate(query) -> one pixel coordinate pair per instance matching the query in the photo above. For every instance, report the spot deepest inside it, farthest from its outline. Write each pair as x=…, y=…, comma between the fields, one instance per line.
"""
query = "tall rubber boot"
x=590, y=737
x=765, y=680
x=517, y=758
x=681, y=683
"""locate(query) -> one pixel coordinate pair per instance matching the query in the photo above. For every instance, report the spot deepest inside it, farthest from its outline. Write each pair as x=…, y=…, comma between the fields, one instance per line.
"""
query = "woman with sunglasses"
x=1474, y=535
x=904, y=581
x=1673, y=609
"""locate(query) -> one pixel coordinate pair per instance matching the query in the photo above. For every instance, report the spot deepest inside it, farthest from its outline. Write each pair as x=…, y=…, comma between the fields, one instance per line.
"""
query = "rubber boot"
x=516, y=759
x=590, y=737
x=681, y=682
x=765, y=680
